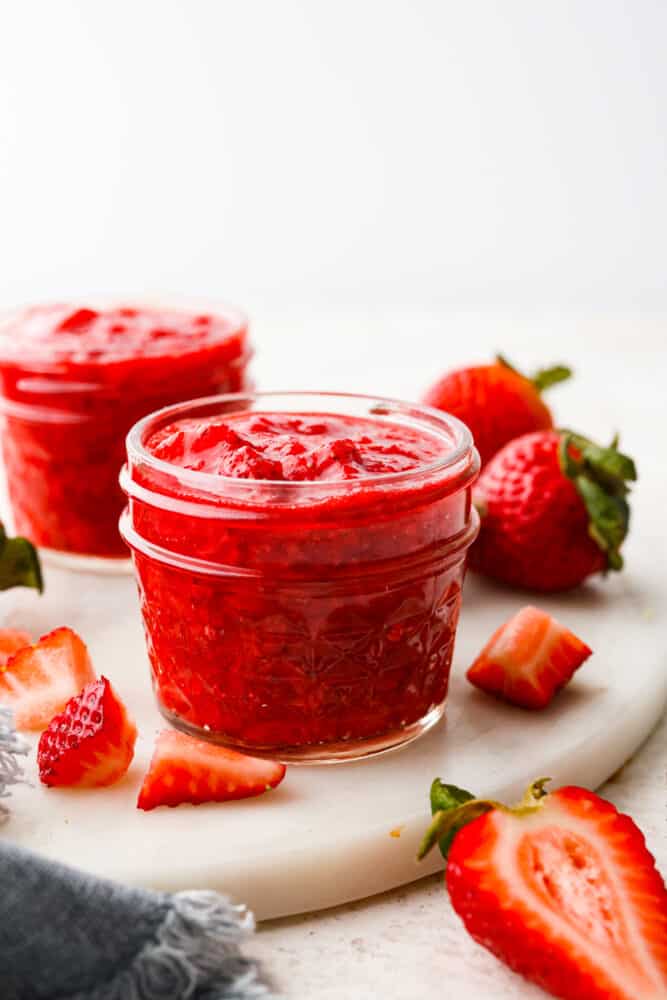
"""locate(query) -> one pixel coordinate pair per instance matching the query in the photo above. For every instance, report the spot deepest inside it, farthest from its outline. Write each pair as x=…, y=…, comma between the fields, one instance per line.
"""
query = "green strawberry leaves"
x=546, y=377
x=445, y=802
x=542, y=379
x=601, y=477
x=19, y=563
x=453, y=808
x=609, y=519
x=444, y=797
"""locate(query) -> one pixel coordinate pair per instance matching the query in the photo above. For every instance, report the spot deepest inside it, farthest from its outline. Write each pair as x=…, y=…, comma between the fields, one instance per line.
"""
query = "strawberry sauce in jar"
x=73, y=381
x=300, y=560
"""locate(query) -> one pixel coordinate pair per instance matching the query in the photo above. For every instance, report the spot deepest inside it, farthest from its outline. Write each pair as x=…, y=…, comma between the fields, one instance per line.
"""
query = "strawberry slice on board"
x=184, y=769
x=39, y=680
x=561, y=888
x=528, y=659
x=91, y=743
x=11, y=640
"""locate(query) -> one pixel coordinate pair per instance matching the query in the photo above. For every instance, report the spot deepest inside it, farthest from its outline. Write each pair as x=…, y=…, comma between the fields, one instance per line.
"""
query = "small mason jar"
x=73, y=381
x=309, y=621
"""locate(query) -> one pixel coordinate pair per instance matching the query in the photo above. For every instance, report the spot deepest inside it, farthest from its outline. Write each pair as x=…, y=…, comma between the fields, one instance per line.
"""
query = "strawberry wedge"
x=560, y=887
x=91, y=743
x=184, y=769
x=38, y=681
x=11, y=640
x=528, y=659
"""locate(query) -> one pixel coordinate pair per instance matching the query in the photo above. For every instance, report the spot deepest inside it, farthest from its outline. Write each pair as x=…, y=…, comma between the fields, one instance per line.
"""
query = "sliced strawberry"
x=562, y=889
x=11, y=640
x=187, y=770
x=528, y=659
x=39, y=680
x=91, y=743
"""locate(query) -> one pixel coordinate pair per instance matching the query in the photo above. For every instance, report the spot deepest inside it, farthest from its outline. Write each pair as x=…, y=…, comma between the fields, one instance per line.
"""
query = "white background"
x=483, y=154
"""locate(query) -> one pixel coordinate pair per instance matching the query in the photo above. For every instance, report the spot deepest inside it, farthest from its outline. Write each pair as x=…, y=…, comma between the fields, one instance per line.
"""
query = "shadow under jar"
x=300, y=558
x=73, y=381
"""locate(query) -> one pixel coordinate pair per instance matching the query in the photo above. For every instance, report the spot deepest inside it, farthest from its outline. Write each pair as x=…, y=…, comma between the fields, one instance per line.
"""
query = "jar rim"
x=430, y=419
x=44, y=361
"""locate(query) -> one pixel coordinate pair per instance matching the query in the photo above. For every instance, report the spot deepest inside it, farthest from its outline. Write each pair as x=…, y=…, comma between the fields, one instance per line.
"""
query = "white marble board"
x=333, y=834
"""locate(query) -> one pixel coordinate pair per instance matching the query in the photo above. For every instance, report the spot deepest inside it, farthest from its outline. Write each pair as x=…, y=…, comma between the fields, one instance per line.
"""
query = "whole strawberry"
x=553, y=511
x=560, y=887
x=496, y=402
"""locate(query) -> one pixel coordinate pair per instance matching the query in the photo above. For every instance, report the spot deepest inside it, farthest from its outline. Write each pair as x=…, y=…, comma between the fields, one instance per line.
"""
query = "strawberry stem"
x=544, y=378
x=532, y=795
x=601, y=477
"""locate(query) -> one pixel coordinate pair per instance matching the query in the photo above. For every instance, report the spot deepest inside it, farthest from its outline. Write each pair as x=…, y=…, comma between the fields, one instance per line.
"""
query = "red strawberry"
x=187, y=770
x=497, y=402
x=528, y=659
x=91, y=743
x=553, y=511
x=11, y=640
x=38, y=680
x=561, y=888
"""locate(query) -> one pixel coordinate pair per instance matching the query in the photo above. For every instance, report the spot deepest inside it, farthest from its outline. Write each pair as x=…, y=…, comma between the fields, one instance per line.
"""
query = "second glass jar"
x=73, y=381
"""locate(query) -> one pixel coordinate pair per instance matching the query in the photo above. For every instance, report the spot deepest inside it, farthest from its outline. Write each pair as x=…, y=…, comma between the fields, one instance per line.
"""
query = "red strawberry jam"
x=73, y=381
x=300, y=561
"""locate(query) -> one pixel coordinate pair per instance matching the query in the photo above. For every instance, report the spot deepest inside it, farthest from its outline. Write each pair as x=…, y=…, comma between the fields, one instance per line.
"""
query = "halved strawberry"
x=38, y=680
x=528, y=659
x=561, y=888
x=11, y=640
x=184, y=769
x=91, y=743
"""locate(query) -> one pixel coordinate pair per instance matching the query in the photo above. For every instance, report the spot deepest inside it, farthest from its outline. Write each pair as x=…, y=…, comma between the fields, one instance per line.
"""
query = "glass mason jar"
x=308, y=621
x=73, y=381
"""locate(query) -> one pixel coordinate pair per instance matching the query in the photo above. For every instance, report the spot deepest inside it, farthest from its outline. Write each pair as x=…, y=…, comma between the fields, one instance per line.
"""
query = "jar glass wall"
x=310, y=621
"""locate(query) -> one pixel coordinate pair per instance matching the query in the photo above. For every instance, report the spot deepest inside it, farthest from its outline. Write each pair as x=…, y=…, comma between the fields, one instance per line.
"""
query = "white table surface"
x=408, y=944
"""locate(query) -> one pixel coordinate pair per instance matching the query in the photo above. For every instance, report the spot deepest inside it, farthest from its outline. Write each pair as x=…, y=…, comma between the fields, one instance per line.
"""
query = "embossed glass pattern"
x=310, y=621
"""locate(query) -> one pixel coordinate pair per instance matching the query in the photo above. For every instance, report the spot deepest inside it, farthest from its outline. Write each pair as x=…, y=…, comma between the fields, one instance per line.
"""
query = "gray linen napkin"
x=65, y=935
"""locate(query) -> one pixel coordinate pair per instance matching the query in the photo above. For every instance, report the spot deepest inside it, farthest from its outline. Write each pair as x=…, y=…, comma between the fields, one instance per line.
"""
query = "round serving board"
x=333, y=834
